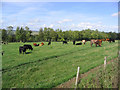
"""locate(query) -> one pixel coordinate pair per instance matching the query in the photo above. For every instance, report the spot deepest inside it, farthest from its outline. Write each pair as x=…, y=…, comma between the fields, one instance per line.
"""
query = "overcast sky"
x=64, y=15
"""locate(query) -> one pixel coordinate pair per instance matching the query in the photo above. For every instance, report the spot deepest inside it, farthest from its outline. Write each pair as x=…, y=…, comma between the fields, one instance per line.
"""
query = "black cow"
x=2, y=53
x=22, y=49
x=37, y=45
x=49, y=43
x=78, y=43
x=65, y=42
x=111, y=40
x=27, y=46
x=73, y=42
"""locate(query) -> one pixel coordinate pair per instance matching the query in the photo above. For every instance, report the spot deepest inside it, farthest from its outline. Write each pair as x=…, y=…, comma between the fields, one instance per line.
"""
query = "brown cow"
x=108, y=39
x=97, y=42
x=103, y=39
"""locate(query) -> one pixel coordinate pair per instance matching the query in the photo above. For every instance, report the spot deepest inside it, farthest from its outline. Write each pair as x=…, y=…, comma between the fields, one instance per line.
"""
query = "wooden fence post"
x=77, y=76
x=105, y=59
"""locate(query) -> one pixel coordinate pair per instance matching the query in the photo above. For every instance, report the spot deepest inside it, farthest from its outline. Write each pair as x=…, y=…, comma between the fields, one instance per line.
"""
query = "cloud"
x=65, y=20
x=115, y=14
x=93, y=26
x=51, y=26
x=1, y=21
x=27, y=10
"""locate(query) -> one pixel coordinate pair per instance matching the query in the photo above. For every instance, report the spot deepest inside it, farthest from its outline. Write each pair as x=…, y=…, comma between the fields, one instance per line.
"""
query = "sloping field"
x=49, y=66
x=102, y=78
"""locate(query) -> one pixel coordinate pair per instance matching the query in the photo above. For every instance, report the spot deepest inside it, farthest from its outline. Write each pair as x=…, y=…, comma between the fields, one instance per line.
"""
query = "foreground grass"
x=49, y=66
x=102, y=78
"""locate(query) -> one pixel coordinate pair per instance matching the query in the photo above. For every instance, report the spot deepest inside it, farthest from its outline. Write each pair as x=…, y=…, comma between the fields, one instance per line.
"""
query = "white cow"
x=83, y=41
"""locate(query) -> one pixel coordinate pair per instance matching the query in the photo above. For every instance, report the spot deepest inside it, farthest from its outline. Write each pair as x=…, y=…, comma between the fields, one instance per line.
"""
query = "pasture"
x=102, y=78
x=49, y=66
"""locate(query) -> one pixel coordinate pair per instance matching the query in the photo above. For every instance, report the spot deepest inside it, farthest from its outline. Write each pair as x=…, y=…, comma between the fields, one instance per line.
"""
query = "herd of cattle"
x=93, y=41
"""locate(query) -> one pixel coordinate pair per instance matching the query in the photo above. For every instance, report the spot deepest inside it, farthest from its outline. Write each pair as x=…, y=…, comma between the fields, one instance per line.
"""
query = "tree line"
x=49, y=34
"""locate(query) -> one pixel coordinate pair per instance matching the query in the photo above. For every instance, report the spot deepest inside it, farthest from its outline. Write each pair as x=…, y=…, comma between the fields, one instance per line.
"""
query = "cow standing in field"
x=111, y=40
x=78, y=43
x=41, y=44
x=83, y=41
x=35, y=44
x=22, y=49
x=2, y=53
x=73, y=42
x=27, y=46
x=103, y=39
x=49, y=42
x=96, y=42
x=65, y=42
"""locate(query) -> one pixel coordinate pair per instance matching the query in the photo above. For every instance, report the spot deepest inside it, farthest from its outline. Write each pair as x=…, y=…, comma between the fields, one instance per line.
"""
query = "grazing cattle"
x=4, y=42
x=22, y=49
x=73, y=42
x=49, y=43
x=27, y=46
x=78, y=43
x=41, y=44
x=97, y=42
x=35, y=44
x=103, y=39
x=110, y=40
x=107, y=39
x=65, y=42
x=2, y=53
x=83, y=41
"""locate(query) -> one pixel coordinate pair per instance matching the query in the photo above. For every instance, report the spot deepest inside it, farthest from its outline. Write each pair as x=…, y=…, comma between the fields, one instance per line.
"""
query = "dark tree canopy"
x=49, y=34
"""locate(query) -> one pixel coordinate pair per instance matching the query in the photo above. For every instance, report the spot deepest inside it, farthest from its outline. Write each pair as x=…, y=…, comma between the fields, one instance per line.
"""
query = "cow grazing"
x=83, y=41
x=103, y=39
x=96, y=42
x=65, y=42
x=111, y=40
x=41, y=44
x=4, y=42
x=35, y=44
x=108, y=39
x=78, y=43
x=73, y=42
x=22, y=49
x=49, y=42
x=27, y=46
x=2, y=53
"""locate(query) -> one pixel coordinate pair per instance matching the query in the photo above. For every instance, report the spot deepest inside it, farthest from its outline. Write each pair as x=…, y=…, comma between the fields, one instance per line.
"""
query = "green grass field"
x=48, y=66
x=102, y=78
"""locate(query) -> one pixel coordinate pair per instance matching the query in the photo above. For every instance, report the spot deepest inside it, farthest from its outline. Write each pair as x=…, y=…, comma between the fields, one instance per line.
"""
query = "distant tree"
x=59, y=35
x=113, y=35
x=53, y=35
x=36, y=38
x=4, y=35
x=41, y=35
x=10, y=28
x=28, y=33
x=18, y=34
x=10, y=34
x=23, y=34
